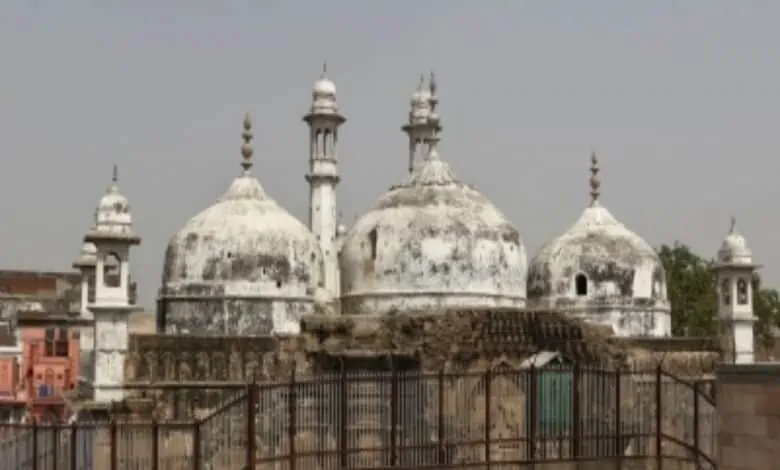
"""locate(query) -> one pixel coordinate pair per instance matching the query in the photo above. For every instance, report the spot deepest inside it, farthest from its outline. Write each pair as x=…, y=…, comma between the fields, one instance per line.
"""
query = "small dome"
x=113, y=219
x=432, y=241
x=598, y=257
x=734, y=248
x=243, y=246
x=324, y=87
x=87, y=256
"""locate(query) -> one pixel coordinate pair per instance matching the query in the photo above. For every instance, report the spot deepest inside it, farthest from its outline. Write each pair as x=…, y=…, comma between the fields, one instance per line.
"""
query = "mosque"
x=246, y=267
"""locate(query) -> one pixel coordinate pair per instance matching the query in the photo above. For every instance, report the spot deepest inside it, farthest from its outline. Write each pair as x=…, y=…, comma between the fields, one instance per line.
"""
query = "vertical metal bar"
x=113, y=446
x=440, y=434
x=251, y=405
x=576, y=443
x=196, y=446
x=696, y=418
x=34, y=443
x=533, y=416
x=55, y=431
x=292, y=417
x=488, y=380
x=74, y=446
x=393, y=413
x=618, y=423
x=155, y=445
x=343, y=451
x=658, y=419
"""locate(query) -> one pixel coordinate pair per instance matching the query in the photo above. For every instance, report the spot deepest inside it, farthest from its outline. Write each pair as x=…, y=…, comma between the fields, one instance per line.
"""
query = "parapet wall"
x=748, y=416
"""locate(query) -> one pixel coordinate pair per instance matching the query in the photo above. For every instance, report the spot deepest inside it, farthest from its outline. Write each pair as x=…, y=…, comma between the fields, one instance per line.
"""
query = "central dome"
x=243, y=266
x=430, y=242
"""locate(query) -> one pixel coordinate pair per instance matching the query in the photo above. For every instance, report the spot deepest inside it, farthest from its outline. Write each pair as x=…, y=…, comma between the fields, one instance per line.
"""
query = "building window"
x=725, y=292
x=581, y=285
x=742, y=292
x=56, y=342
x=372, y=237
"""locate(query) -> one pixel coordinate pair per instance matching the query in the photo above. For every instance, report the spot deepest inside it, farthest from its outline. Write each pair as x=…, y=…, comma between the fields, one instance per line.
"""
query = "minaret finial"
x=324, y=69
x=733, y=225
x=246, y=147
x=595, y=183
x=115, y=174
x=433, y=100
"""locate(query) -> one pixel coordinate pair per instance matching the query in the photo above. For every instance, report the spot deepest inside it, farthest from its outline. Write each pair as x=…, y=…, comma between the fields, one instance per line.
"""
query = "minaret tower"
x=324, y=121
x=113, y=236
x=420, y=126
x=734, y=272
x=85, y=263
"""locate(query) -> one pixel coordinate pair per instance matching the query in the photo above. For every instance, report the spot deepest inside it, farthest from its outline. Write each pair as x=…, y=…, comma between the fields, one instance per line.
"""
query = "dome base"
x=382, y=304
x=233, y=317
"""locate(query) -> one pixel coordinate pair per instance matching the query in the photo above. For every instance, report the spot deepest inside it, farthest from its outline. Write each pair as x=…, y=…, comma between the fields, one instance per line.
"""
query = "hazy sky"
x=680, y=99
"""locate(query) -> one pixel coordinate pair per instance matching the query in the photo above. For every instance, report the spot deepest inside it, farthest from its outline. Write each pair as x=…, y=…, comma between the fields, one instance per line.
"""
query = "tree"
x=692, y=294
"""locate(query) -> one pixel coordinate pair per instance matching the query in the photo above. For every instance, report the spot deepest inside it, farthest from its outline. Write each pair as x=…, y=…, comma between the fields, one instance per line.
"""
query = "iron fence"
x=361, y=420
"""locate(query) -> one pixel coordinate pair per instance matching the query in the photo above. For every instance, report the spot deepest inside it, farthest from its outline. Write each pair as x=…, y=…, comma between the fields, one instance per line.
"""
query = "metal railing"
x=395, y=419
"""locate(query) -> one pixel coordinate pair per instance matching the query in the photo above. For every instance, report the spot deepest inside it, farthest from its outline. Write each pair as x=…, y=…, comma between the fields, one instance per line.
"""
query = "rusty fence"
x=533, y=418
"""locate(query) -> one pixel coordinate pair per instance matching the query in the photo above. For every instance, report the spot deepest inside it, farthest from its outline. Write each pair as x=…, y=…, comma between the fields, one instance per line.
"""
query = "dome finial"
x=595, y=183
x=324, y=69
x=433, y=100
x=733, y=225
x=115, y=174
x=246, y=147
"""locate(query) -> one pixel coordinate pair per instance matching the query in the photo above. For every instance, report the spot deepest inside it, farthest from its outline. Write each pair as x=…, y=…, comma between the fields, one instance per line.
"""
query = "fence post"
x=34, y=443
x=251, y=405
x=113, y=446
x=196, y=450
x=155, y=444
x=441, y=456
x=291, y=417
x=618, y=422
x=659, y=461
x=576, y=442
x=393, y=412
x=696, y=420
x=533, y=414
x=55, y=437
x=343, y=436
x=488, y=380
x=74, y=445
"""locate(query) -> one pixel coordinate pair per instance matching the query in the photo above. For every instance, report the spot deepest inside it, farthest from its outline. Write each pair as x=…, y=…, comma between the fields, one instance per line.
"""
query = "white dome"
x=245, y=244
x=113, y=219
x=432, y=241
x=324, y=87
x=734, y=248
x=243, y=266
x=87, y=256
x=610, y=256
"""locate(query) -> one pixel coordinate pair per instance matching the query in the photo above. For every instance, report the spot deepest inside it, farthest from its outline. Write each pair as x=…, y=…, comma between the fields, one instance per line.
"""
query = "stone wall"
x=748, y=416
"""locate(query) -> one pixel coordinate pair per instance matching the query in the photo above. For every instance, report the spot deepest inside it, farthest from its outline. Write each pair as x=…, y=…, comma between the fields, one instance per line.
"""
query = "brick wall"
x=748, y=397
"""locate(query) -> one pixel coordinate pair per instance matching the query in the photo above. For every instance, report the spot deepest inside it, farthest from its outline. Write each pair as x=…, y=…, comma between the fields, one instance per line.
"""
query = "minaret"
x=113, y=236
x=324, y=121
x=85, y=263
x=420, y=126
x=734, y=272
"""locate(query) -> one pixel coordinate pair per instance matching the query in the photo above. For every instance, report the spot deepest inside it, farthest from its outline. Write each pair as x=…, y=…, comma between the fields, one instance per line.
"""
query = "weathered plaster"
x=246, y=255
x=432, y=241
x=626, y=285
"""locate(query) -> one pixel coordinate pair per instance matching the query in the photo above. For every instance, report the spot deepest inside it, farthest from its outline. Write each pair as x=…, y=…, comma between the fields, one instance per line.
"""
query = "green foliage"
x=692, y=294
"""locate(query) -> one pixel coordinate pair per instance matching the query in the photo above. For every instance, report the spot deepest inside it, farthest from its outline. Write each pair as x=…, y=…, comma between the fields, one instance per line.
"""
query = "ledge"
x=759, y=373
